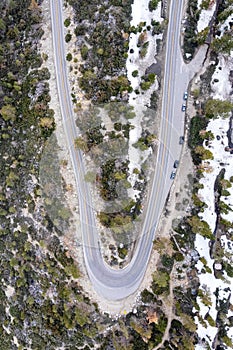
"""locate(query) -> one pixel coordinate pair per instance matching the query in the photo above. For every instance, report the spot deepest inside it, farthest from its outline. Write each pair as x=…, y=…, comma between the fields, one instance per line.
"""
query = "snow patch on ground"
x=210, y=286
x=205, y=16
x=216, y=289
x=140, y=13
x=226, y=24
x=219, y=128
x=220, y=82
x=9, y=291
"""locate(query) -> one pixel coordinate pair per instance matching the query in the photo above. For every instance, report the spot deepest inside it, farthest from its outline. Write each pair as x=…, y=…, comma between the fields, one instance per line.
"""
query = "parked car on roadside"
x=183, y=108
x=173, y=174
x=185, y=97
x=181, y=140
x=176, y=163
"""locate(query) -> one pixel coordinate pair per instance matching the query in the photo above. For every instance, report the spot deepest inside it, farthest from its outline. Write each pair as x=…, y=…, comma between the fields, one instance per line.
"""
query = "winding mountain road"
x=118, y=284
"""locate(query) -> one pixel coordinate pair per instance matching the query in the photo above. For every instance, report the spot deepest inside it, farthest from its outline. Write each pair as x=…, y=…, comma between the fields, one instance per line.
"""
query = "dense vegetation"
x=102, y=34
x=219, y=42
x=190, y=37
x=224, y=43
x=38, y=291
x=108, y=150
x=199, y=140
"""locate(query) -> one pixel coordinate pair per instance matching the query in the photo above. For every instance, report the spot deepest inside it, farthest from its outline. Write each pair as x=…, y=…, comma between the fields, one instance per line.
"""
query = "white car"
x=173, y=174
x=183, y=108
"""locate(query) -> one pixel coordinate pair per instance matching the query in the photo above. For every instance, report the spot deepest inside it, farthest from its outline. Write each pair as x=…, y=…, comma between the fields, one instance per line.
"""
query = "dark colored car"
x=176, y=163
x=183, y=108
x=181, y=140
x=173, y=174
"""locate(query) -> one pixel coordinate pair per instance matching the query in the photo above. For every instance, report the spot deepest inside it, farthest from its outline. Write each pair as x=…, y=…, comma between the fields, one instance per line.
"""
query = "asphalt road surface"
x=118, y=284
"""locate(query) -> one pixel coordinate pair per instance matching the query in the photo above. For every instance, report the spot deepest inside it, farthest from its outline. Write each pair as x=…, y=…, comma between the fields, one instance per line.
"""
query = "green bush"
x=205, y=4
x=154, y=100
x=225, y=193
x=135, y=73
x=68, y=37
x=67, y=22
x=224, y=208
x=202, y=36
x=200, y=226
x=203, y=153
x=69, y=57
x=215, y=108
x=147, y=297
x=167, y=262
x=143, y=50
x=197, y=124
x=223, y=44
x=84, y=52
x=145, y=85
x=151, y=77
x=160, y=282
x=153, y=5
x=178, y=256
